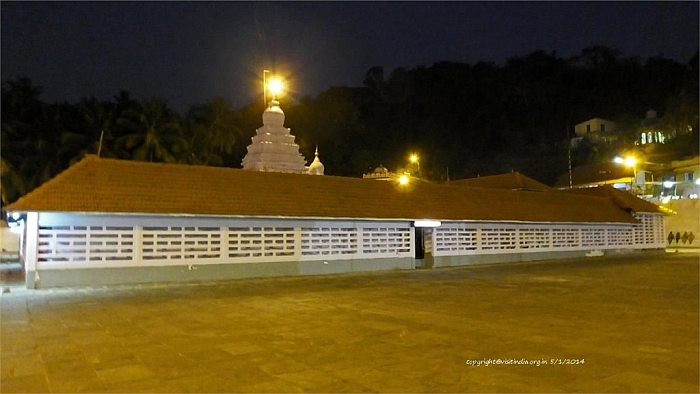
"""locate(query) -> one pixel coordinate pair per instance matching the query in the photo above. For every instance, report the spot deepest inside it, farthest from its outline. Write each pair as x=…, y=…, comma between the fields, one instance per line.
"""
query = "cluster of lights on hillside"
x=631, y=161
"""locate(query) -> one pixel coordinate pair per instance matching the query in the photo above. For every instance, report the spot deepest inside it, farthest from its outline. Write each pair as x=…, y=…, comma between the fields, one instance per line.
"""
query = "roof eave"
x=282, y=217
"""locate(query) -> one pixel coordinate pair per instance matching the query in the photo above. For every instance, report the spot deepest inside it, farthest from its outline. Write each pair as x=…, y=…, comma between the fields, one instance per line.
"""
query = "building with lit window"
x=596, y=130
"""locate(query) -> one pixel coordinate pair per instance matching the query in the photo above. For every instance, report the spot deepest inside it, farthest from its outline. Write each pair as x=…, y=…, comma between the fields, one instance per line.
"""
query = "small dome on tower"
x=273, y=115
x=316, y=167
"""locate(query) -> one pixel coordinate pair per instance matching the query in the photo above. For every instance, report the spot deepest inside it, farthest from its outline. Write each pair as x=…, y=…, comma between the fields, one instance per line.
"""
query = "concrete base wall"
x=47, y=278
x=455, y=261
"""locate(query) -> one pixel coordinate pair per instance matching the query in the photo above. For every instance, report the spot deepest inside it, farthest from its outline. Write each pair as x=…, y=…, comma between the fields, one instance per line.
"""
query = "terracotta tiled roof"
x=593, y=174
x=509, y=181
x=622, y=199
x=98, y=185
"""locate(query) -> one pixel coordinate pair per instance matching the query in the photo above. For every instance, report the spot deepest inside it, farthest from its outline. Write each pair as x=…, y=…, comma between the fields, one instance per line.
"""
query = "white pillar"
x=31, y=277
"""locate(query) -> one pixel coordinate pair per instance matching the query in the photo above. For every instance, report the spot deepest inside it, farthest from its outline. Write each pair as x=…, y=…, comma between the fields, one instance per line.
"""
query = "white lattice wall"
x=453, y=239
x=67, y=241
x=593, y=238
x=650, y=233
x=499, y=238
x=387, y=241
x=175, y=243
x=74, y=241
x=492, y=238
x=329, y=241
x=534, y=238
x=260, y=243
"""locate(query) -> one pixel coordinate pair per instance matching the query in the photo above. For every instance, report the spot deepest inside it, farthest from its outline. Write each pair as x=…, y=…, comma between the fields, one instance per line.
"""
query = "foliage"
x=463, y=120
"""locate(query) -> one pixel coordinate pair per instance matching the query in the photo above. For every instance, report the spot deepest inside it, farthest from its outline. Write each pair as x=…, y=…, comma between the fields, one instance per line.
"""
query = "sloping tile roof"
x=509, y=181
x=594, y=173
x=622, y=199
x=98, y=185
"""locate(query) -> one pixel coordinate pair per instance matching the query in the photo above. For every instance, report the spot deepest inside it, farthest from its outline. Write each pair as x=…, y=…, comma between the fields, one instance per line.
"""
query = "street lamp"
x=265, y=87
x=413, y=159
x=275, y=85
x=629, y=161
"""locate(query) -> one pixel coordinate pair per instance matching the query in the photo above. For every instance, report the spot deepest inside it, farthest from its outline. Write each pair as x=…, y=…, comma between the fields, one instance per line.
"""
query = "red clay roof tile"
x=509, y=181
x=98, y=185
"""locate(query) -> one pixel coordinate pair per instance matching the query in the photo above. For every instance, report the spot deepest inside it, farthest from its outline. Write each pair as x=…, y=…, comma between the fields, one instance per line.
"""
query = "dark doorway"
x=420, y=244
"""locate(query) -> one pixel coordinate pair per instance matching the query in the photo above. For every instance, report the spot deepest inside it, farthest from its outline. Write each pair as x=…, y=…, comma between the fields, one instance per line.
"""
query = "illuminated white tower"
x=273, y=147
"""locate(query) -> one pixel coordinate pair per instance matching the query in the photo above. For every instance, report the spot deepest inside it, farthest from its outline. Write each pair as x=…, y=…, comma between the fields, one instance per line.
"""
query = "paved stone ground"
x=633, y=319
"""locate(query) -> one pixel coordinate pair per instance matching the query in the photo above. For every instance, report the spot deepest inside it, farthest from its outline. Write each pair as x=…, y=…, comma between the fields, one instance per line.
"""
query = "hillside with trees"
x=462, y=119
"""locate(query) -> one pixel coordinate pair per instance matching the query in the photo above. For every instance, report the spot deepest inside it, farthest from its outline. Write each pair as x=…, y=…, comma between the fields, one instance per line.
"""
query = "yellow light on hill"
x=413, y=158
x=403, y=180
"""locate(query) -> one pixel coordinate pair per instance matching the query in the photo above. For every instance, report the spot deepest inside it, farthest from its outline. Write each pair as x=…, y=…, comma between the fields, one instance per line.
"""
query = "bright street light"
x=629, y=161
x=414, y=159
x=275, y=86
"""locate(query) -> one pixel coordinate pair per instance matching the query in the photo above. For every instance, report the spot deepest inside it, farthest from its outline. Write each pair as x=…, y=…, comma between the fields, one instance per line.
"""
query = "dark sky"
x=188, y=52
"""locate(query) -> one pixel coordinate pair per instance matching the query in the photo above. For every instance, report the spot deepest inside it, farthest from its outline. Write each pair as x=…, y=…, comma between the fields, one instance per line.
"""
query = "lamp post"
x=265, y=87
x=413, y=159
x=629, y=161
x=275, y=85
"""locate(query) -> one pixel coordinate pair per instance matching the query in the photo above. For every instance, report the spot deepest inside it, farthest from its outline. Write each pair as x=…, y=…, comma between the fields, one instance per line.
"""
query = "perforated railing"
x=178, y=243
x=84, y=245
x=650, y=233
x=490, y=238
x=81, y=242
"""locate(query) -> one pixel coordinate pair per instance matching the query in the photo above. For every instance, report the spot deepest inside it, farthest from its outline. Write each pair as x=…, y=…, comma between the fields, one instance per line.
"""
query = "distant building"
x=380, y=173
x=653, y=181
x=680, y=178
x=596, y=130
x=650, y=131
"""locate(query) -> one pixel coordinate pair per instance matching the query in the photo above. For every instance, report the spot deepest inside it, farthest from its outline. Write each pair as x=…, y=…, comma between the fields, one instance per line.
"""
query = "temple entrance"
x=420, y=247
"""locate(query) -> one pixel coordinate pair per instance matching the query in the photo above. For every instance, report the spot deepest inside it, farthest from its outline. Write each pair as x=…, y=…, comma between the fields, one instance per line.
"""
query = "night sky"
x=188, y=52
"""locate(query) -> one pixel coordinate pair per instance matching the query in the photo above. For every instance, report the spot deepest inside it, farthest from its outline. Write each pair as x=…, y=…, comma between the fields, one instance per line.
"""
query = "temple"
x=273, y=148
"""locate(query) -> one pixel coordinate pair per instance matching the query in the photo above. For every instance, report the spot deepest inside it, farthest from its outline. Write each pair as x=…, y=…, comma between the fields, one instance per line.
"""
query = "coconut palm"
x=212, y=131
x=94, y=134
x=152, y=133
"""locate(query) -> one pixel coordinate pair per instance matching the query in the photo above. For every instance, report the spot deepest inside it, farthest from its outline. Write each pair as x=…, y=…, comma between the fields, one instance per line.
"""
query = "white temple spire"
x=273, y=147
x=316, y=167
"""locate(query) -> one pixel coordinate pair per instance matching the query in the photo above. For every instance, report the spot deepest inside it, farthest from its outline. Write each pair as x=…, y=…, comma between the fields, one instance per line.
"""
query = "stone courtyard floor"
x=612, y=324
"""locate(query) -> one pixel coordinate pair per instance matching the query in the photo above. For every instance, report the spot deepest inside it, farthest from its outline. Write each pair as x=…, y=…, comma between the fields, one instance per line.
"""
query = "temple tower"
x=273, y=147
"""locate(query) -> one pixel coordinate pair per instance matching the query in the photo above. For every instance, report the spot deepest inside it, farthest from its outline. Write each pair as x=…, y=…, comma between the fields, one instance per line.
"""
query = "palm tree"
x=212, y=131
x=94, y=135
x=153, y=133
x=13, y=183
